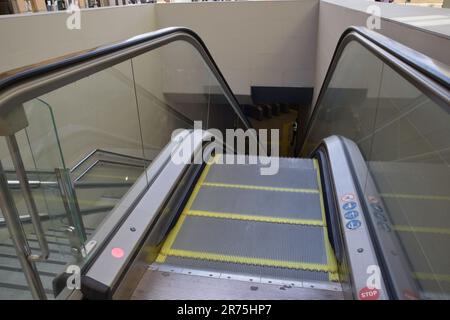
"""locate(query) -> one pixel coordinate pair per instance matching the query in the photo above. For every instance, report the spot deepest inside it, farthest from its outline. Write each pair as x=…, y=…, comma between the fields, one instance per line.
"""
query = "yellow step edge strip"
x=331, y=259
x=431, y=276
x=174, y=232
x=414, y=196
x=404, y=228
x=251, y=187
x=250, y=261
x=246, y=217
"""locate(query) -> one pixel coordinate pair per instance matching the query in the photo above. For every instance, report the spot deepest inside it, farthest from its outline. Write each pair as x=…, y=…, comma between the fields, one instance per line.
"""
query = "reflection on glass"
x=404, y=138
x=349, y=104
x=410, y=166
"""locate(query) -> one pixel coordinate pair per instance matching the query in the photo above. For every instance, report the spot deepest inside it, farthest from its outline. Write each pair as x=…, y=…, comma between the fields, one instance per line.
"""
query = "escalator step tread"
x=239, y=221
x=250, y=174
x=263, y=203
x=256, y=240
x=250, y=270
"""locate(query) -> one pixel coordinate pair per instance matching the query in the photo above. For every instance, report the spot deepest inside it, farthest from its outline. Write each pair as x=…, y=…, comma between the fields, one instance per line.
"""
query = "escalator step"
x=246, y=269
x=262, y=203
x=284, y=107
x=250, y=174
x=255, y=112
x=241, y=221
x=252, y=242
x=276, y=109
x=267, y=110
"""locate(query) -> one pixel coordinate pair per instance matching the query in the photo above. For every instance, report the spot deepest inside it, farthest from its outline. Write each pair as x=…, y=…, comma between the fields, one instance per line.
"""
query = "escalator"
x=260, y=218
x=358, y=212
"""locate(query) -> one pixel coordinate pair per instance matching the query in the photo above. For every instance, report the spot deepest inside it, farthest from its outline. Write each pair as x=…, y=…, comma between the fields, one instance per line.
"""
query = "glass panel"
x=403, y=136
x=349, y=104
x=174, y=88
x=169, y=86
x=99, y=112
x=41, y=154
x=411, y=169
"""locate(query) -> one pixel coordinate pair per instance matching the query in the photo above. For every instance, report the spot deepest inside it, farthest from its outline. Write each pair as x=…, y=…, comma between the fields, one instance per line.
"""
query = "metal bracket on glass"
x=70, y=201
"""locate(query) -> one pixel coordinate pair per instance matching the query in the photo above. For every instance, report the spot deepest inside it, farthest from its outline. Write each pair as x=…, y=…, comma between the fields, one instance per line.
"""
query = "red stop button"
x=369, y=294
x=117, y=252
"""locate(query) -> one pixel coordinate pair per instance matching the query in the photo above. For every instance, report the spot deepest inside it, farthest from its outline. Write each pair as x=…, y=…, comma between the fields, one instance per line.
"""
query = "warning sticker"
x=368, y=294
x=348, y=197
x=353, y=224
x=372, y=199
x=350, y=215
x=349, y=205
x=409, y=295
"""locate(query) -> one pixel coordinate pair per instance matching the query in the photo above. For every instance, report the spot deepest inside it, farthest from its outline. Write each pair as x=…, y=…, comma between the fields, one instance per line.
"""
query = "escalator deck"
x=238, y=221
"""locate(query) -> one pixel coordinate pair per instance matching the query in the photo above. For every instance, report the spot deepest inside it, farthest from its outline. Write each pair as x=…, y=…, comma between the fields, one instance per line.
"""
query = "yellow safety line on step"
x=415, y=196
x=249, y=260
x=331, y=260
x=247, y=217
x=173, y=234
x=252, y=187
x=431, y=276
x=403, y=228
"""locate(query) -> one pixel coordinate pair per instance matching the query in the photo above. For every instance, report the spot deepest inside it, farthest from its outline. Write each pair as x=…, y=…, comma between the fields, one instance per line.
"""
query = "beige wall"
x=30, y=38
x=270, y=43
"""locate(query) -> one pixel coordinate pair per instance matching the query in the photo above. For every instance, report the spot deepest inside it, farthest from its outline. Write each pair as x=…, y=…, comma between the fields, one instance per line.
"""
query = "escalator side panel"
x=362, y=276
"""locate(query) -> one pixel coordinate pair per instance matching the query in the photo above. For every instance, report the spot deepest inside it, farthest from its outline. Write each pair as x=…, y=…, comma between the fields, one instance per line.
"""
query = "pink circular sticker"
x=117, y=252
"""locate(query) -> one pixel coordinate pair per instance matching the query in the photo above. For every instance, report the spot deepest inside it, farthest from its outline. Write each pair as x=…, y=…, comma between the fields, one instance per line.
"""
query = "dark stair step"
x=253, y=111
x=284, y=107
x=267, y=110
x=276, y=109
